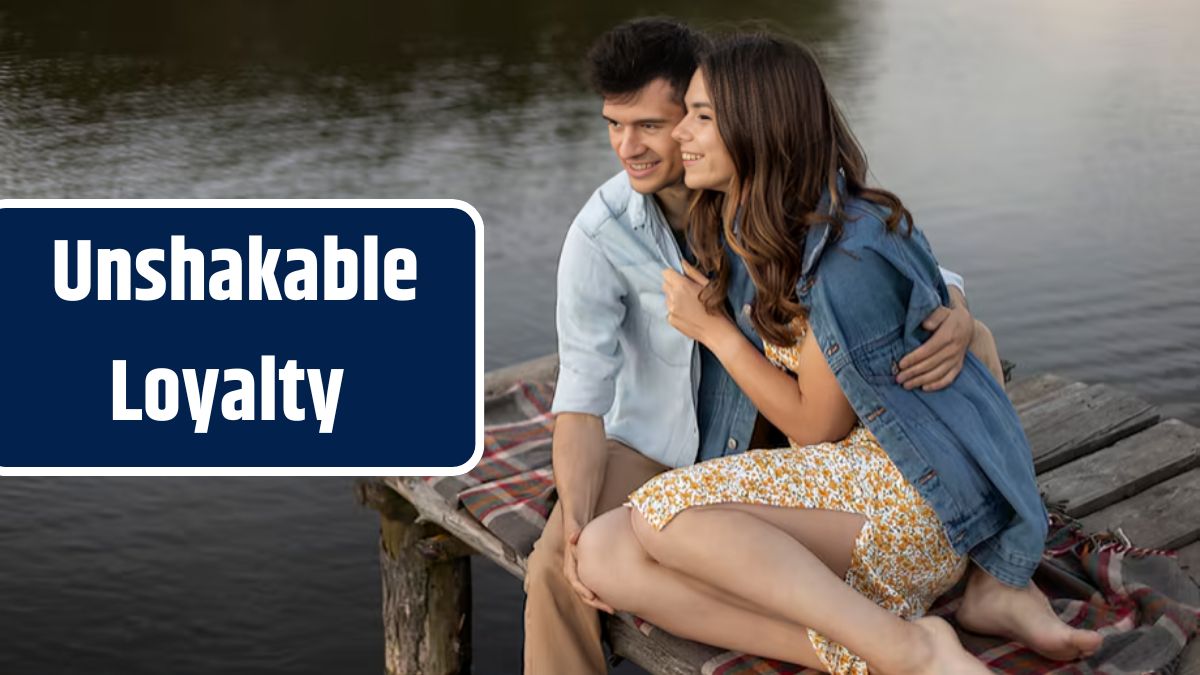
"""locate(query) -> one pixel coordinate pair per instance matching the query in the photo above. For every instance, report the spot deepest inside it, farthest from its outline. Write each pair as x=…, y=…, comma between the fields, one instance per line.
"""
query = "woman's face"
x=707, y=164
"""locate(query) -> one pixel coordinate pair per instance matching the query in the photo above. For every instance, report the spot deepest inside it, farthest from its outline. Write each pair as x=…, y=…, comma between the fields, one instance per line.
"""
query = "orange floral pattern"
x=902, y=559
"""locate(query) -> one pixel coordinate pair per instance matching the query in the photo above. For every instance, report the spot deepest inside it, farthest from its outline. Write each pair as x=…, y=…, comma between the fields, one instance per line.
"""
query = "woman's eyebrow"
x=700, y=104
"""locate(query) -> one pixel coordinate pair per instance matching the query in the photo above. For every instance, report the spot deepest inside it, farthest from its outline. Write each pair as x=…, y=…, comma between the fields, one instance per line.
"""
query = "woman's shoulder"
x=866, y=258
x=787, y=357
x=865, y=224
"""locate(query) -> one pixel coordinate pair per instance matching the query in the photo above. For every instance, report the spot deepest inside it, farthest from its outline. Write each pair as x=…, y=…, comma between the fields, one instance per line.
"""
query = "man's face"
x=639, y=130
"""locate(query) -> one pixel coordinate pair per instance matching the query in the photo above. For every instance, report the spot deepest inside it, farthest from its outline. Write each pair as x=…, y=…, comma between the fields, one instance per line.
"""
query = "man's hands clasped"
x=571, y=532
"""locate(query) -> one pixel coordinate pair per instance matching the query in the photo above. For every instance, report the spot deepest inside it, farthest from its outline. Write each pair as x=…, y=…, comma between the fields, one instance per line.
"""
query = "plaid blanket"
x=1141, y=600
x=511, y=491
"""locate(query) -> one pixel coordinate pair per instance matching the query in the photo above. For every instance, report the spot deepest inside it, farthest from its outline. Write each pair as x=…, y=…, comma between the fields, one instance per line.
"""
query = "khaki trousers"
x=562, y=634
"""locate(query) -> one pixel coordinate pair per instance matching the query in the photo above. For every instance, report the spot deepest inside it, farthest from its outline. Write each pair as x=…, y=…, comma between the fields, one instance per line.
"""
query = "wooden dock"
x=1103, y=455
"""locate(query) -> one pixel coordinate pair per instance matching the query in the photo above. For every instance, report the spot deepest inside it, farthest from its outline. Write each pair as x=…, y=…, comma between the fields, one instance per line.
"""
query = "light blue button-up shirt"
x=619, y=359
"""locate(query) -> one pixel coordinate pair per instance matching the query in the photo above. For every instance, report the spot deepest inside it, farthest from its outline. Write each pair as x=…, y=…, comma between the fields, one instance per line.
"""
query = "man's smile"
x=641, y=169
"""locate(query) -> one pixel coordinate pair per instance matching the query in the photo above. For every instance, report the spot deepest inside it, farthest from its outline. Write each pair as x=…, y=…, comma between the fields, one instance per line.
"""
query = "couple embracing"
x=778, y=428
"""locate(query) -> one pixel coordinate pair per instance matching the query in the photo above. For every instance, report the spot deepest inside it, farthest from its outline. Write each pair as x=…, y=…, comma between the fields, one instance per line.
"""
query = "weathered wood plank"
x=660, y=653
x=443, y=547
x=1028, y=390
x=433, y=507
x=1164, y=516
x=540, y=369
x=1131, y=465
x=1077, y=421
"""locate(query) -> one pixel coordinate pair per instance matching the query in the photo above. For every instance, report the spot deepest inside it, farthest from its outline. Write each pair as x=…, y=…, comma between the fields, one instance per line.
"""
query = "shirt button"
x=732, y=444
x=746, y=310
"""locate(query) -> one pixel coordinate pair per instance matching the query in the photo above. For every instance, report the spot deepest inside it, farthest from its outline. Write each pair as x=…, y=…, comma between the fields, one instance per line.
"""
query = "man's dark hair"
x=637, y=52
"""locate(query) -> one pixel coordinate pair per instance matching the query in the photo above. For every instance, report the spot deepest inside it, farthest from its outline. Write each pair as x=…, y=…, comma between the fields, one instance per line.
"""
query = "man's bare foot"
x=1023, y=615
x=942, y=653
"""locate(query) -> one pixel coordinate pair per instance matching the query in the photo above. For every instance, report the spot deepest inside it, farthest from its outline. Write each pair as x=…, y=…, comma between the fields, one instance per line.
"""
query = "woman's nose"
x=679, y=133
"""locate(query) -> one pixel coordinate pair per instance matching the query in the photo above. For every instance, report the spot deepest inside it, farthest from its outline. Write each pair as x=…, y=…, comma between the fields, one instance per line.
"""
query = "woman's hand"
x=688, y=314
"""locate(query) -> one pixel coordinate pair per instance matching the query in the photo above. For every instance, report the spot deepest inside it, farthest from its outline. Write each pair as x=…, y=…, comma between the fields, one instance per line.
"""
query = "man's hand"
x=571, y=531
x=935, y=364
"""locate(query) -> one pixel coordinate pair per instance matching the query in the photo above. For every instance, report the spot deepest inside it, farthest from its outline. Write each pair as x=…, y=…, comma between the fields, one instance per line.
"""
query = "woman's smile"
x=713, y=168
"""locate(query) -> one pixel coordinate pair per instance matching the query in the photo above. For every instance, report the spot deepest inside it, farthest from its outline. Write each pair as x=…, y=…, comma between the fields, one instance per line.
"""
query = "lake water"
x=1050, y=151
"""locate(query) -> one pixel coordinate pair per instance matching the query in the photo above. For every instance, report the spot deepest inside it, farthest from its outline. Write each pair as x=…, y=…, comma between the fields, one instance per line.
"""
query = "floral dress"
x=901, y=560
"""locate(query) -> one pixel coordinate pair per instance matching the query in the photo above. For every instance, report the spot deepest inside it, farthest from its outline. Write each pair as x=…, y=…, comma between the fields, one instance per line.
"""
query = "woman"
x=883, y=494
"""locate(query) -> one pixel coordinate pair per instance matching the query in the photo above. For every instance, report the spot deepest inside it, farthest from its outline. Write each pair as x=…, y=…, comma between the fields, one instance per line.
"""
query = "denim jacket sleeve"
x=881, y=286
x=589, y=314
x=911, y=258
x=902, y=281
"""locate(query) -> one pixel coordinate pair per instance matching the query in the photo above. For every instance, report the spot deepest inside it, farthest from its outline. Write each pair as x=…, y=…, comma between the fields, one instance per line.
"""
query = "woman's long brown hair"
x=789, y=142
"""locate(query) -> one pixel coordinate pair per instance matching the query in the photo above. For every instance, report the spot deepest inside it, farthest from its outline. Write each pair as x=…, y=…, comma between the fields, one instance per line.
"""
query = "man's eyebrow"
x=646, y=120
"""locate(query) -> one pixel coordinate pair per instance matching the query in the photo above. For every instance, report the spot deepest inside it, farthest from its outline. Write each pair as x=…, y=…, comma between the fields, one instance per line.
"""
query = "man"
x=636, y=397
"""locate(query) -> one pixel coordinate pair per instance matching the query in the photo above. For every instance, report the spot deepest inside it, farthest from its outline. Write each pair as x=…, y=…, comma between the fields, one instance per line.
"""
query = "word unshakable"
x=239, y=401
x=336, y=272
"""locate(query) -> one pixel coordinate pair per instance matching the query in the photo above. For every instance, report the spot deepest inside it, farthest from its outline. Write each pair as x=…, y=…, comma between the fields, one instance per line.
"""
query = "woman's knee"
x=983, y=340
x=983, y=346
x=608, y=557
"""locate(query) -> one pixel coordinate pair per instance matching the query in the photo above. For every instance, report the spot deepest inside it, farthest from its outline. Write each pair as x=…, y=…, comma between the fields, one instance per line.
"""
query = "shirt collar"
x=640, y=208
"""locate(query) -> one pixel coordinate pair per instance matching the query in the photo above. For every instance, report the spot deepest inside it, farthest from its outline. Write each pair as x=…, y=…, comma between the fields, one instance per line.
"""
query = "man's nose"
x=631, y=145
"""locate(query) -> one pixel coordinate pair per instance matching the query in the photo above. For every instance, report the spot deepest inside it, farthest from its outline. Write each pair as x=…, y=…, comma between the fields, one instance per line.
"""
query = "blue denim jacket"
x=725, y=413
x=962, y=447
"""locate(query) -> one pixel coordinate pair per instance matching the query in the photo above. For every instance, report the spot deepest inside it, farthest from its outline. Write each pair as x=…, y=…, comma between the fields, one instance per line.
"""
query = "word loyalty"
x=238, y=404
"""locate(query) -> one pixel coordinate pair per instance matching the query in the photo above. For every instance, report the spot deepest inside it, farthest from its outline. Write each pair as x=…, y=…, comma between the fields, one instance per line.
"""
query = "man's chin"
x=647, y=186
x=651, y=184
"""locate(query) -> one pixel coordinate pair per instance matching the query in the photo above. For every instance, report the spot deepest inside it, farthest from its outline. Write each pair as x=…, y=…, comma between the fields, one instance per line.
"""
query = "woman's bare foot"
x=941, y=652
x=1023, y=615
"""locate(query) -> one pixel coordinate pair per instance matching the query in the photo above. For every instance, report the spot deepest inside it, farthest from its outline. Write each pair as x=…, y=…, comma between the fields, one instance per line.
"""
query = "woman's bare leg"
x=614, y=566
x=749, y=557
x=983, y=346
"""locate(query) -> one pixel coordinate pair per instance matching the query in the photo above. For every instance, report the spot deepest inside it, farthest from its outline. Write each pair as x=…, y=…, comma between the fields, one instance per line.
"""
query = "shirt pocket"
x=664, y=341
x=878, y=361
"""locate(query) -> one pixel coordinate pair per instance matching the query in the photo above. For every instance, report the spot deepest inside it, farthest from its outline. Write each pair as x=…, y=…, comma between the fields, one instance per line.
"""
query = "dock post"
x=426, y=590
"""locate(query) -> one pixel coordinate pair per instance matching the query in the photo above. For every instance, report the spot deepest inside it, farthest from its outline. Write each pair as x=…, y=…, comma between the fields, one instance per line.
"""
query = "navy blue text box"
x=409, y=396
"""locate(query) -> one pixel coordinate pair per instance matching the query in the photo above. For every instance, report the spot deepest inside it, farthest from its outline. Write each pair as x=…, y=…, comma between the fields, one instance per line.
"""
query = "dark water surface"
x=1050, y=150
